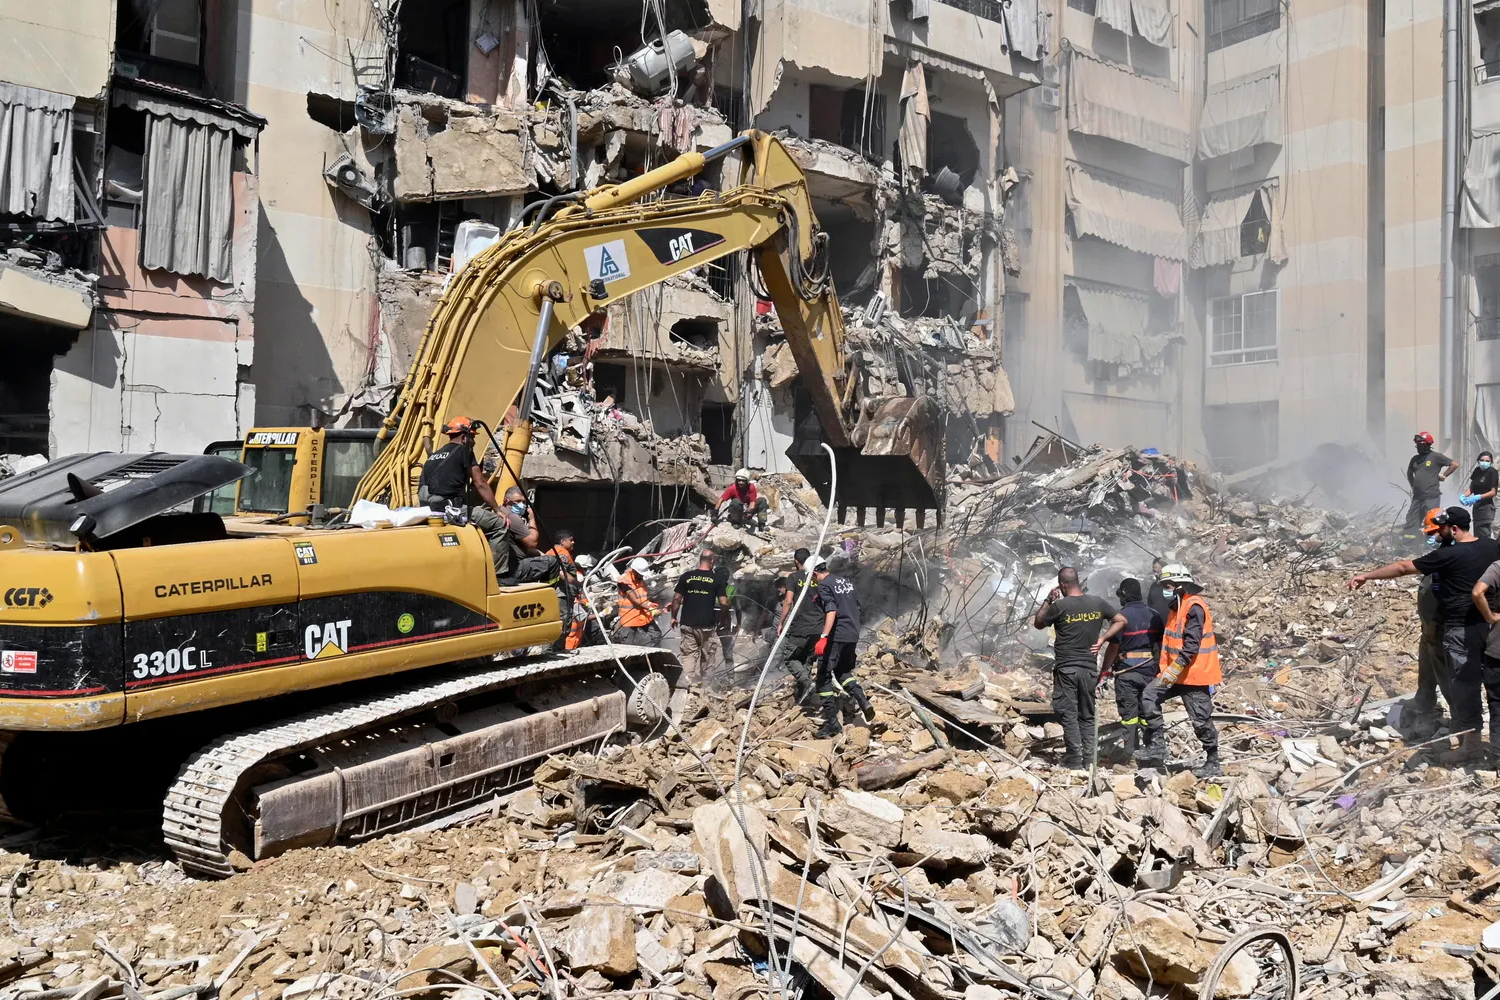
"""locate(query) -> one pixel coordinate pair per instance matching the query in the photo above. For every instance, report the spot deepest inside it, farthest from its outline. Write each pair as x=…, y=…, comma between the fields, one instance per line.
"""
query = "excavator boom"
x=515, y=302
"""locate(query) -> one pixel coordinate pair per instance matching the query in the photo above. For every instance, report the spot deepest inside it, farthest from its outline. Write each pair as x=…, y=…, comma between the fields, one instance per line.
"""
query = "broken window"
x=432, y=47
x=1255, y=230
x=609, y=382
x=583, y=40
x=161, y=40
x=699, y=332
x=721, y=274
x=1487, y=28
x=1231, y=21
x=950, y=147
x=1244, y=329
x=847, y=118
x=854, y=268
x=125, y=139
x=717, y=421
x=949, y=295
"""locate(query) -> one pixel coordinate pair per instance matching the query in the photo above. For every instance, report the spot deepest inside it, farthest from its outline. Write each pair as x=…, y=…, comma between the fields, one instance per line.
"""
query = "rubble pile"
x=939, y=852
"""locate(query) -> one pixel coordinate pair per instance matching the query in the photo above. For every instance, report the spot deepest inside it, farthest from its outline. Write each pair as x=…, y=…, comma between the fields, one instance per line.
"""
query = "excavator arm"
x=511, y=306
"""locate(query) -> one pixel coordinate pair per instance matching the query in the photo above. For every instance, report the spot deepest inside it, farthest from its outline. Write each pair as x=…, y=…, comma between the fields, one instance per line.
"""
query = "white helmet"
x=742, y=473
x=814, y=563
x=640, y=565
x=1176, y=573
x=584, y=561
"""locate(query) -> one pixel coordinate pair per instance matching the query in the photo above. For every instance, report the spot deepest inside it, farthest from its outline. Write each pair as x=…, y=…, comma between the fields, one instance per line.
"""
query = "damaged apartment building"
x=405, y=137
x=128, y=221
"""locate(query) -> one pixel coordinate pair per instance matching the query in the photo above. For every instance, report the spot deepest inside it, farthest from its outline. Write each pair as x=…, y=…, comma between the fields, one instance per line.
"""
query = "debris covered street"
x=938, y=852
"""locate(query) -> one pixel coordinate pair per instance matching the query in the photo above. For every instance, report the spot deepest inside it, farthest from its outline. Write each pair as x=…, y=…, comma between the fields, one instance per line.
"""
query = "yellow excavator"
x=260, y=659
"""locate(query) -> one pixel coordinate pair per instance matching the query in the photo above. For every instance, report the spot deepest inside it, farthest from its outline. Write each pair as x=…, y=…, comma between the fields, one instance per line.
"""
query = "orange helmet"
x=458, y=425
x=1429, y=523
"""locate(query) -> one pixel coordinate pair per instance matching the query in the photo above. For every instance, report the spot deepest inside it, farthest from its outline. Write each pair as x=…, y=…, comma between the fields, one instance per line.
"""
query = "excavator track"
x=206, y=811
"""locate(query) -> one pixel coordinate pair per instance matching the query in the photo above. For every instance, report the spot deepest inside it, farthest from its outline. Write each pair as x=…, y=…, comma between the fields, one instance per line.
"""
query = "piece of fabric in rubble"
x=1480, y=205
x=189, y=198
x=1241, y=113
x=1153, y=21
x=1116, y=104
x=915, y=118
x=1223, y=217
x=1023, y=26
x=1126, y=214
x=36, y=153
x=1117, y=323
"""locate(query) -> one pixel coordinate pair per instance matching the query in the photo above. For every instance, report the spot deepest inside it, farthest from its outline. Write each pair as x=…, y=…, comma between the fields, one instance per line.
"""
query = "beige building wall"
x=66, y=48
x=1413, y=217
x=316, y=312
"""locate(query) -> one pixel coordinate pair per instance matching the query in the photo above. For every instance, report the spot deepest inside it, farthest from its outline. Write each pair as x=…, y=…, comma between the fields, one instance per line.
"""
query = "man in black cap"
x=1458, y=564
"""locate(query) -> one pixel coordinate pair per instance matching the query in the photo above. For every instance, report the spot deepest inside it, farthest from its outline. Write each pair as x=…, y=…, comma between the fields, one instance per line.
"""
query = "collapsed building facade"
x=374, y=148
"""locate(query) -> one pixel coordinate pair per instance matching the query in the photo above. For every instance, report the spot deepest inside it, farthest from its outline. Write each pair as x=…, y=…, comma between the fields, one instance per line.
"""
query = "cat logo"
x=673, y=243
x=528, y=611
x=325, y=640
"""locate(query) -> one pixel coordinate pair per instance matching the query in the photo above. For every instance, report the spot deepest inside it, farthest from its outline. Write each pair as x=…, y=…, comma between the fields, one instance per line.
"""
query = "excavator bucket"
x=896, y=462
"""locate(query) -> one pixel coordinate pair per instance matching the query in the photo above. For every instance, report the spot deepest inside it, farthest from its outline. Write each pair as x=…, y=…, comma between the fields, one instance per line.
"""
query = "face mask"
x=519, y=508
x=1485, y=465
x=1168, y=593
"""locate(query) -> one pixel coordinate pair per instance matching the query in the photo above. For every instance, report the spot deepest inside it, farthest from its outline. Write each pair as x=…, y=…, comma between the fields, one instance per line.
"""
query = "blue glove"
x=1468, y=499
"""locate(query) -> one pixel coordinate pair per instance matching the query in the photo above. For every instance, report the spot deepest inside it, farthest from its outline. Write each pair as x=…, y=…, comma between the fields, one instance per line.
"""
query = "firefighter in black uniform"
x=1132, y=657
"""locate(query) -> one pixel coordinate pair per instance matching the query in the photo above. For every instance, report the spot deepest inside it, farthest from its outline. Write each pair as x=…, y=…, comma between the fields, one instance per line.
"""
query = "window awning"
x=1153, y=21
x=1480, y=206
x=1218, y=239
x=185, y=106
x=1110, y=102
x=931, y=59
x=1127, y=216
x=36, y=153
x=1117, y=324
x=1241, y=113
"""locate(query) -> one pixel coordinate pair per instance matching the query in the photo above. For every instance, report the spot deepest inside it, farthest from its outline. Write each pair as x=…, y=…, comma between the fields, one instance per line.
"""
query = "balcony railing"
x=1487, y=72
x=1487, y=328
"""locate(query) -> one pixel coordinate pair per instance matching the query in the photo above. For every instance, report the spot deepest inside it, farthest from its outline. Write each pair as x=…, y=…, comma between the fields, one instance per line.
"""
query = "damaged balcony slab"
x=48, y=298
x=838, y=174
x=684, y=328
x=622, y=457
x=448, y=149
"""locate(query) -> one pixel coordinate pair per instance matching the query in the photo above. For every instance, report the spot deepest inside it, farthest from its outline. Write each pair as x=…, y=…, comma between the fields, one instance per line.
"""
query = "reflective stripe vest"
x=575, y=632
x=1205, y=668
x=635, y=601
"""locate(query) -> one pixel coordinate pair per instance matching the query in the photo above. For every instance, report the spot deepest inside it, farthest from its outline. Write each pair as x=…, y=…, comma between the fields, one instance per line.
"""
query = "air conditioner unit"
x=1049, y=97
x=345, y=175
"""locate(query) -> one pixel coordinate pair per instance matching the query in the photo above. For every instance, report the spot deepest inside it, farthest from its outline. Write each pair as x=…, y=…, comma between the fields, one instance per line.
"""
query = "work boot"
x=1210, y=768
x=1154, y=752
x=1470, y=748
x=831, y=725
x=861, y=700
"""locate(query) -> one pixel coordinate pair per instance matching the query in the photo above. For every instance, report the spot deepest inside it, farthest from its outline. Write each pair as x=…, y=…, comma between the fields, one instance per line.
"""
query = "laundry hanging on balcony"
x=1479, y=206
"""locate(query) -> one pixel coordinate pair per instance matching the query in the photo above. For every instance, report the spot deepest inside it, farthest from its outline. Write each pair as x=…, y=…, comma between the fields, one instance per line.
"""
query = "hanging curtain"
x=1487, y=415
x=36, y=153
x=915, y=116
x=1153, y=21
x=189, y=198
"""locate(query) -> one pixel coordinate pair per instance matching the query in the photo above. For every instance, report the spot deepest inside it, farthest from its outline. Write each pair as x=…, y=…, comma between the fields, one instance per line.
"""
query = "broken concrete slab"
x=602, y=938
x=863, y=815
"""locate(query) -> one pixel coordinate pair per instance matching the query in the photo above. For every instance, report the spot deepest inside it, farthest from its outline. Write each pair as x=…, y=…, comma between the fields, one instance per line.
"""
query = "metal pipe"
x=1448, y=394
x=538, y=355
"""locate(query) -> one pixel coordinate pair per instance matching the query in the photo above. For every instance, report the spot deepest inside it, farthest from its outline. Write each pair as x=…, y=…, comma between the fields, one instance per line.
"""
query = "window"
x=1487, y=27
x=1487, y=290
x=987, y=9
x=345, y=461
x=1089, y=7
x=175, y=31
x=717, y=421
x=432, y=50
x=1255, y=228
x=1231, y=21
x=1243, y=329
x=266, y=492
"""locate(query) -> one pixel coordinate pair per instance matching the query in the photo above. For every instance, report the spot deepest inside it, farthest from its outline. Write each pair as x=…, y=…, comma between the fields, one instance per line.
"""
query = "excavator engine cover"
x=896, y=461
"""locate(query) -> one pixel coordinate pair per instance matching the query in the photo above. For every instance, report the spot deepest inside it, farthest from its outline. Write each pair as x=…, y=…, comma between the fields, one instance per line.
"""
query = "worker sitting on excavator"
x=742, y=501
x=527, y=564
x=450, y=480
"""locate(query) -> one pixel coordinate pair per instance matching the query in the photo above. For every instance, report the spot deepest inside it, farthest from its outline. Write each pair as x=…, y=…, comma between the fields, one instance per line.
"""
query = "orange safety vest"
x=635, y=601
x=575, y=634
x=1205, y=668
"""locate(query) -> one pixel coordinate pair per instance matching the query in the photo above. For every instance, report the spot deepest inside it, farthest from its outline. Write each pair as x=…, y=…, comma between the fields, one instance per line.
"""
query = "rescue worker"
x=527, y=564
x=584, y=628
x=742, y=501
x=637, y=625
x=1076, y=619
x=565, y=580
x=802, y=630
x=1423, y=717
x=1480, y=496
x=699, y=603
x=1458, y=567
x=838, y=690
x=451, y=477
x=1189, y=670
x=1131, y=657
x=1425, y=474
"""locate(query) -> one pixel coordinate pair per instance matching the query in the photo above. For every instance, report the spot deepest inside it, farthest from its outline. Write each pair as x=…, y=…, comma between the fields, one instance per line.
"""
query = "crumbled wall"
x=470, y=153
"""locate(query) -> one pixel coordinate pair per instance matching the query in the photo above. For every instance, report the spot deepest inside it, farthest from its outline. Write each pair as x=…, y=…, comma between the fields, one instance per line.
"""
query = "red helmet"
x=1422, y=437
